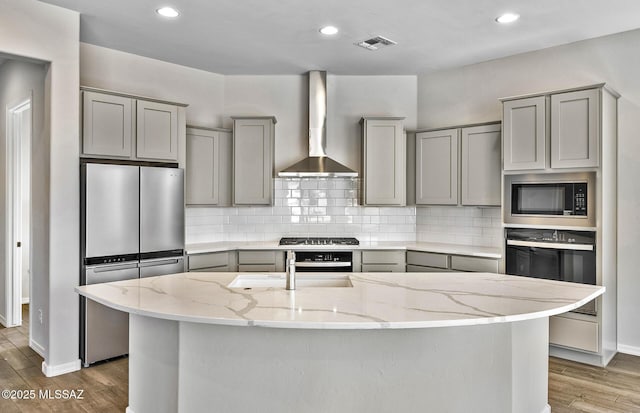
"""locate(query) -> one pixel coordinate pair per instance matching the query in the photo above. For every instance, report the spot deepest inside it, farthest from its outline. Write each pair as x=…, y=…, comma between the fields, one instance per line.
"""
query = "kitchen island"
x=441, y=342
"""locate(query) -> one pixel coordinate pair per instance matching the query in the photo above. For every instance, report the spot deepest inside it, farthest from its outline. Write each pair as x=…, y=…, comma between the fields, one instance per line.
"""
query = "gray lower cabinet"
x=253, y=164
x=260, y=261
x=212, y=262
x=574, y=333
x=473, y=264
x=383, y=261
x=524, y=144
x=121, y=126
x=384, y=161
x=107, y=125
x=480, y=164
x=208, y=167
x=437, y=167
x=419, y=261
x=157, y=131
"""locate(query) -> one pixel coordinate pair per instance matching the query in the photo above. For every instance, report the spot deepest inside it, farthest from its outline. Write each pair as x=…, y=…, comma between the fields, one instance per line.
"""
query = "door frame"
x=13, y=213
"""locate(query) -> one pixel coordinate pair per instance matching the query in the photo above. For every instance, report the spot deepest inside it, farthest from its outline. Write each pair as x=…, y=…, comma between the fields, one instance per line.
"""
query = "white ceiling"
x=281, y=36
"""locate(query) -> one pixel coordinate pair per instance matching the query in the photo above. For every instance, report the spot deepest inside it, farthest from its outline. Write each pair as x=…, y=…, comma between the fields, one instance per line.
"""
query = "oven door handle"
x=551, y=245
x=320, y=264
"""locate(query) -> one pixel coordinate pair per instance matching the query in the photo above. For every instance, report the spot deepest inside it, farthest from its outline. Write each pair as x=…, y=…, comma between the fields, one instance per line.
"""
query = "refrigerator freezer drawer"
x=111, y=205
x=109, y=273
x=105, y=331
x=161, y=266
x=161, y=209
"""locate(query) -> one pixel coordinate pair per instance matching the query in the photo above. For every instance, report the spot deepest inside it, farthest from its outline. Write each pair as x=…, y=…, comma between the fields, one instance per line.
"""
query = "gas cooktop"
x=319, y=241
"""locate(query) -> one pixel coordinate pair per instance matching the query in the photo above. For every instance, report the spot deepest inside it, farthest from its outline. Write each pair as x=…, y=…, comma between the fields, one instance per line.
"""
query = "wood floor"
x=105, y=385
x=573, y=387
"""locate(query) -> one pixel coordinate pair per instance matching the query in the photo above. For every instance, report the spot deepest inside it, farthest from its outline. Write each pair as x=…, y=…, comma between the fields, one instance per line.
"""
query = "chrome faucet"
x=291, y=270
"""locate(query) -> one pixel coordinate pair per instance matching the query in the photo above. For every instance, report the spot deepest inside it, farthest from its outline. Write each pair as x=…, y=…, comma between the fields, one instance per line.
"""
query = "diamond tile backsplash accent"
x=329, y=207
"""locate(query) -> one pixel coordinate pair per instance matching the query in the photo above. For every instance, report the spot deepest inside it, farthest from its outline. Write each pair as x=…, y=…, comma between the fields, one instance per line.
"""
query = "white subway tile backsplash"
x=459, y=225
x=329, y=207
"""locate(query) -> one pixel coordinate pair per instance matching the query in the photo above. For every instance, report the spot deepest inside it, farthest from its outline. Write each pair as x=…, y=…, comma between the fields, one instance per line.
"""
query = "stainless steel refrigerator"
x=132, y=225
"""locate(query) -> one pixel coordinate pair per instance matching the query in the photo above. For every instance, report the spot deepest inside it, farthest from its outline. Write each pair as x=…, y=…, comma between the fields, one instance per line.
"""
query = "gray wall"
x=18, y=80
x=470, y=94
x=349, y=98
x=49, y=33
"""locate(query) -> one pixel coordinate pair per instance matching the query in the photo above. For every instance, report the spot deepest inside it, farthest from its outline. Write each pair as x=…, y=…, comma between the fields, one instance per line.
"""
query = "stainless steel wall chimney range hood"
x=317, y=164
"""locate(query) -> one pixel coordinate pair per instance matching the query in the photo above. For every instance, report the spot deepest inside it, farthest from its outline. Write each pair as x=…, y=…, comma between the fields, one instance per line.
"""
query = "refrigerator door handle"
x=158, y=262
x=115, y=267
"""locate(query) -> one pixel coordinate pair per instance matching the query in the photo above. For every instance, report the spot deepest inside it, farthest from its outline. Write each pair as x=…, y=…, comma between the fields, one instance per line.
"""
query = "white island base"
x=180, y=366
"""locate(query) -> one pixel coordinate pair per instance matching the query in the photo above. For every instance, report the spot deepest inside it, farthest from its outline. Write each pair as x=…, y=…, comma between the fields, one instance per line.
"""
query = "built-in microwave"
x=556, y=199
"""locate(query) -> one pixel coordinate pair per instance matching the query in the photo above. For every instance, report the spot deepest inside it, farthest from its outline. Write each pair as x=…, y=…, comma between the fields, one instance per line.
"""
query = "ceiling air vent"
x=375, y=43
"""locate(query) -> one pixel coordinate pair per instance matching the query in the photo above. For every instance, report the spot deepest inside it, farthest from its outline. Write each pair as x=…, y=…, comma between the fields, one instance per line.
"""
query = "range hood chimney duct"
x=317, y=164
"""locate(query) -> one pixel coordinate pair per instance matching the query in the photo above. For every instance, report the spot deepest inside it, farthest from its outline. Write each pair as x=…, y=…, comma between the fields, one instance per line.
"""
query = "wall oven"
x=554, y=255
x=556, y=199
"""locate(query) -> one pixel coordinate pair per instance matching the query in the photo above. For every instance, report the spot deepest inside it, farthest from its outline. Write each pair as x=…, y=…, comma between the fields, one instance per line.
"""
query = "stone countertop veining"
x=440, y=248
x=376, y=300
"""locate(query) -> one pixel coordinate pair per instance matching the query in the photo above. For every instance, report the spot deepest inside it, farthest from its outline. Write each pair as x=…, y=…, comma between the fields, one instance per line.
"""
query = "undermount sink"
x=278, y=281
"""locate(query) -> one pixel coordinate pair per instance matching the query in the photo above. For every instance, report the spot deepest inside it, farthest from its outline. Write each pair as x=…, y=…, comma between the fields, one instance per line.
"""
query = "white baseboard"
x=633, y=350
x=57, y=370
x=128, y=410
x=25, y=300
x=35, y=346
x=547, y=409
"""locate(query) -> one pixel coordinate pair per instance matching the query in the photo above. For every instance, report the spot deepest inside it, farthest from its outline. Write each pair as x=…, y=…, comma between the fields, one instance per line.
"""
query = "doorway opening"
x=18, y=208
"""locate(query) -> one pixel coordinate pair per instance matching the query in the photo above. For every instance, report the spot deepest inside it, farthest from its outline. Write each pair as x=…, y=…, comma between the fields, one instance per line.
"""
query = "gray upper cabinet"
x=120, y=126
x=480, y=164
x=107, y=125
x=524, y=133
x=575, y=129
x=253, y=144
x=384, y=161
x=208, y=167
x=437, y=167
x=157, y=131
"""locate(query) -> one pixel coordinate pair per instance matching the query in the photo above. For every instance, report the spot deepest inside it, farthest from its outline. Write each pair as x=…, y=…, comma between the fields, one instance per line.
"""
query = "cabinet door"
x=574, y=129
x=437, y=167
x=202, y=167
x=107, y=125
x=252, y=161
x=157, y=131
x=384, y=155
x=480, y=149
x=524, y=133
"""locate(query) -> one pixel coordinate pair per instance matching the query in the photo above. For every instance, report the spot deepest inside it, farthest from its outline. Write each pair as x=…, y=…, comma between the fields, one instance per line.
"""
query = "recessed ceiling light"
x=507, y=18
x=330, y=30
x=168, y=12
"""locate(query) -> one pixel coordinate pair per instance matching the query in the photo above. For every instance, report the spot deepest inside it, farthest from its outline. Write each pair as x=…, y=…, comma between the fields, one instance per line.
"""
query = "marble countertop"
x=440, y=248
x=376, y=300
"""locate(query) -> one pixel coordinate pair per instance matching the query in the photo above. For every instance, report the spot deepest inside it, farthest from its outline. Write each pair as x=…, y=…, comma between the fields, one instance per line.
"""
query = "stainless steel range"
x=324, y=259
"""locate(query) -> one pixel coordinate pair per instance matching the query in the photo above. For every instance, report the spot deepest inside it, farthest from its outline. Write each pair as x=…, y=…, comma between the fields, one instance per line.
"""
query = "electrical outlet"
x=40, y=315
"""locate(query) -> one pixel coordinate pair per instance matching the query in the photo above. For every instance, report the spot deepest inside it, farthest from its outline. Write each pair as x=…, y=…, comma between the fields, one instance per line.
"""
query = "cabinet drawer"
x=223, y=268
x=427, y=259
x=201, y=261
x=257, y=268
x=256, y=257
x=419, y=268
x=474, y=264
x=382, y=257
x=382, y=267
x=578, y=334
